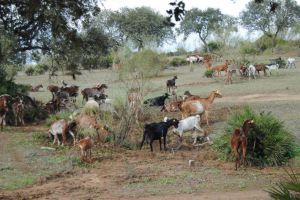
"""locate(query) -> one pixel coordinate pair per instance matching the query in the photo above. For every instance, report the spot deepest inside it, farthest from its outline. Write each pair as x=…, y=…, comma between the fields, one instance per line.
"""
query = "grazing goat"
x=239, y=140
x=94, y=92
x=35, y=88
x=251, y=71
x=53, y=89
x=291, y=63
x=86, y=121
x=157, y=101
x=260, y=67
x=85, y=146
x=91, y=107
x=18, y=110
x=171, y=83
x=155, y=131
x=220, y=68
x=272, y=67
x=60, y=127
x=4, y=108
x=188, y=124
x=199, y=105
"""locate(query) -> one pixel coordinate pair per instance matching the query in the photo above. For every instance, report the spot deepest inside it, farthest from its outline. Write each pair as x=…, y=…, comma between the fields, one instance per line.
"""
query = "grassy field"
x=129, y=174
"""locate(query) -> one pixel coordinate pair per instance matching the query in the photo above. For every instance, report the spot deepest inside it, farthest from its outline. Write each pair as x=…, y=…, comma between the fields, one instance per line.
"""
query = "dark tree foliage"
x=36, y=22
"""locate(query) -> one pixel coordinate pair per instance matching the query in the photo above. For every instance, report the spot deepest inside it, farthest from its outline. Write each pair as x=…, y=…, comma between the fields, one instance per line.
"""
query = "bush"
x=106, y=61
x=208, y=73
x=40, y=69
x=29, y=71
x=178, y=62
x=269, y=143
x=214, y=46
x=57, y=116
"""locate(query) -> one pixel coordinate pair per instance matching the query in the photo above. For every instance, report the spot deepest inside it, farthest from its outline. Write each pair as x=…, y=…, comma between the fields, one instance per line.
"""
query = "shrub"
x=269, y=143
x=106, y=61
x=178, y=62
x=208, y=73
x=29, y=71
x=214, y=46
x=57, y=116
x=40, y=69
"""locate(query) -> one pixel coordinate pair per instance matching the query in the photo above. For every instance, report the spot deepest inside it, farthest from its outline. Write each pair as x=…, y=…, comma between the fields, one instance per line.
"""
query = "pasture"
x=32, y=173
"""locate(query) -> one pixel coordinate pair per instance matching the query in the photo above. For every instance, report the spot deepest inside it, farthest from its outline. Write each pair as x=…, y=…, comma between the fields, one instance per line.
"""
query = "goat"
x=199, y=105
x=188, y=96
x=171, y=83
x=157, y=101
x=155, y=131
x=187, y=124
x=18, y=110
x=85, y=146
x=86, y=121
x=220, y=68
x=252, y=71
x=291, y=63
x=91, y=107
x=94, y=91
x=260, y=67
x=61, y=127
x=272, y=67
x=239, y=140
x=53, y=89
x=4, y=99
x=172, y=106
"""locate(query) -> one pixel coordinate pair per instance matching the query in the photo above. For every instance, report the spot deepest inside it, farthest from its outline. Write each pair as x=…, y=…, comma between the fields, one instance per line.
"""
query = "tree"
x=35, y=22
x=203, y=23
x=141, y=25
x=257, y=17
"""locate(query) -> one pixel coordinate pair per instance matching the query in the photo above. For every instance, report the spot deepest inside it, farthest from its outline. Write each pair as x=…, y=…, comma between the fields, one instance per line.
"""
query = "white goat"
x=60, y=127
x=91, y=107
x=291, y=63
x=251, y=71
x=188, y=124
x=272, y=67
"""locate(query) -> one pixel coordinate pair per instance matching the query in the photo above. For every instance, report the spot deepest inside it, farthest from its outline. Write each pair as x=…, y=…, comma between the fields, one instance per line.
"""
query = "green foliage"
x=214, y=46
x=263, y=43
x=269, y=143
x=177, y=61
x=29, y=71
x=248, y=48
x=141, y=26
x=57, y=116
x=106, y=61
x=209, y=73
x=288, y=189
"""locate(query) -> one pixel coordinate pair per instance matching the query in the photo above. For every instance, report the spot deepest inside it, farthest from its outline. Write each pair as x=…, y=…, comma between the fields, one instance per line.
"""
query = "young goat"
x=188, y=124
x=155, y=131
x=157, y=101
x=239, y=140
x=171, y=83
x=18, y=111
x=85, y=146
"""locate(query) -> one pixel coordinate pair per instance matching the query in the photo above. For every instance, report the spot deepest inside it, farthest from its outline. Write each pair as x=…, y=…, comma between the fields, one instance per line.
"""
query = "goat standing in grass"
x=18, y=111
x=60, y=127
x=239, y=141
x=157, y=101
x=171, y=83
x=155, y=131
x=85, y=146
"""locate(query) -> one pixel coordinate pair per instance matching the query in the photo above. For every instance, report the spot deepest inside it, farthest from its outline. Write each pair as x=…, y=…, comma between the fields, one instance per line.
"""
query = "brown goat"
x=85, y=146
x=53, y=89
x=35, y=88
x=260, y=67
x=18, y=110
x=3, y=108
x=91, y=92
x=172, y=106
x=197, y=105
x=239, y=141
x=220, y=68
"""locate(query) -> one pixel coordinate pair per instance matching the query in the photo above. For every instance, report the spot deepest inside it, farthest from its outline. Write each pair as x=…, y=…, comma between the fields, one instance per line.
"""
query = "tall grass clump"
x=57, y=116
x=269, y=143
x=288, y=189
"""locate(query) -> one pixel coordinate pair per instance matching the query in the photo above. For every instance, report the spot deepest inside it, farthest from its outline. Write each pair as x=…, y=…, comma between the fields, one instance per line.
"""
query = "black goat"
x=157, y=101
x=155, y=131
x=171, y=83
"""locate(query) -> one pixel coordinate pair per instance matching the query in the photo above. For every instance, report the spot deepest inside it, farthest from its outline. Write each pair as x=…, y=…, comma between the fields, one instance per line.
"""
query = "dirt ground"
x=144, y=175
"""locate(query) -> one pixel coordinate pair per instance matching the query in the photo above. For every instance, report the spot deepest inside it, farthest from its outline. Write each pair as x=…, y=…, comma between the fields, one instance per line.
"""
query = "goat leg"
x=160, y=143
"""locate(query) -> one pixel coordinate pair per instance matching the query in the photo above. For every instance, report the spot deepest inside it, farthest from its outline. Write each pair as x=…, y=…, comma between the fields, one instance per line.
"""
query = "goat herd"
x=190, y=106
